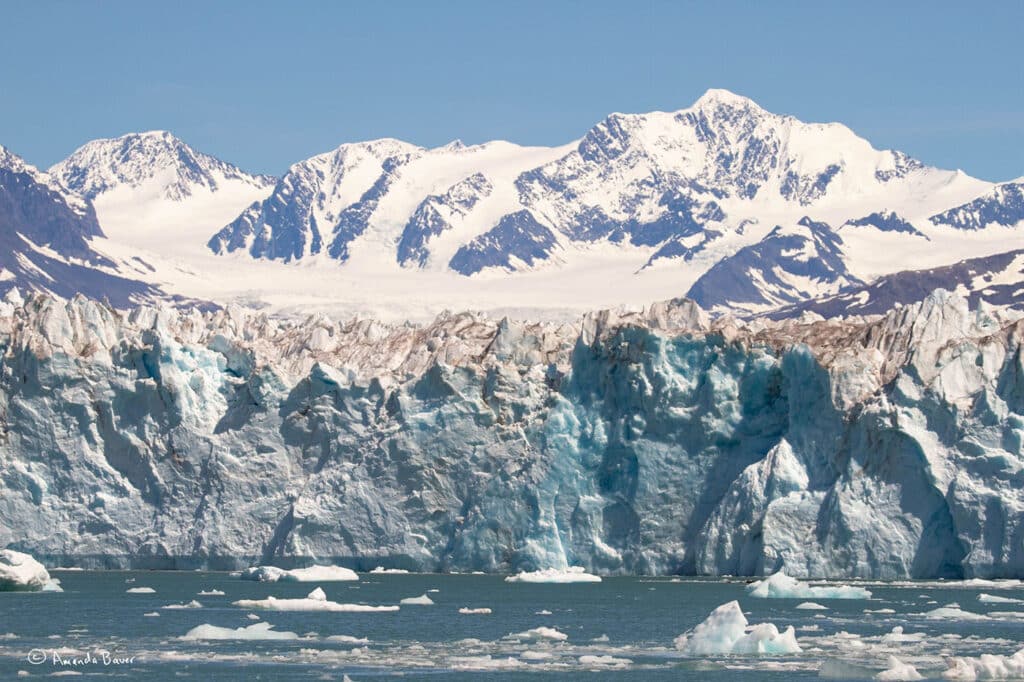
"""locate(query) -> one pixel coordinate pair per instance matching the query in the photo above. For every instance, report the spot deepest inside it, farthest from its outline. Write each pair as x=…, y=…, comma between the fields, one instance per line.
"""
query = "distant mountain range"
x=744, y=211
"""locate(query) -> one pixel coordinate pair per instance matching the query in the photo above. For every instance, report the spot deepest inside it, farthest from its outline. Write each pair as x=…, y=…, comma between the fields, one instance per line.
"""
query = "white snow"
x=19, y=571
x=312, y=574
x=256, y=631
x=422, y=600
x=726, y=631
x=314, y=601
x=781, y=586
x=573, y=574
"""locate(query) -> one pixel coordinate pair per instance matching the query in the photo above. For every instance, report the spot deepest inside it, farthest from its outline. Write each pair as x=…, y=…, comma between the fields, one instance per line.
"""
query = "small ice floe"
x=811, y=606
x=348, y=639
x=985, y=667
x=394, y=571
x=953, y=611
x=190, y=605
x=880, y=611
x=573, y=574
x=211, y=593
x=535, y=655
x=542, y=612
x=151, y=614
x=20, y=572
x=314, y=601
x=482, y=611
x=252, y=616
x=897, y=636
x=312, y=574
x=602, y=639
x=781, y=586
x=140, y=590
x=726, y=631
x=256, y=631
x=996, y=599
x=898, y=671
x=604, y=661
x=540, y=634
x=8, y=635
x=422, y=600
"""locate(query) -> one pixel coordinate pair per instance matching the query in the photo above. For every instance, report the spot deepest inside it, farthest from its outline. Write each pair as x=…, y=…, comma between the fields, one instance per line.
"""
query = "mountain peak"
x=716, y=97
x=156, y=159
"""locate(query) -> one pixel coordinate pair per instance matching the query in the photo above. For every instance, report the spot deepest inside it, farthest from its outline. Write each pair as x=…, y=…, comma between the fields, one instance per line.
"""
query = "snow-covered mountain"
x=47, y=237
x=746, y=210
x=156, y=194
x=643, y=442
x=657, y=200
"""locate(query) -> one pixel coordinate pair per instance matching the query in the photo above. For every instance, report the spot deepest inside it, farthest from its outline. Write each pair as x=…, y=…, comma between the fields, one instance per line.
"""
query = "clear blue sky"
x=265, y=84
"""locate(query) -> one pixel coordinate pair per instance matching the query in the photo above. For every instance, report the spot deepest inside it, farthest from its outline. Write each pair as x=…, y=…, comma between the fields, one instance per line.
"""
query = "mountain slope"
x=46, y=240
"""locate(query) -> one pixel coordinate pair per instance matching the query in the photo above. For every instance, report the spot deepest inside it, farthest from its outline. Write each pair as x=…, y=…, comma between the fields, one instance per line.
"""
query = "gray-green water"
x=631, y=620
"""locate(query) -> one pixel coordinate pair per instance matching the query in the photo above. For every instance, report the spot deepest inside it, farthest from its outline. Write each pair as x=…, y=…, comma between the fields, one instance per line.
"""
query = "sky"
x=266, y=84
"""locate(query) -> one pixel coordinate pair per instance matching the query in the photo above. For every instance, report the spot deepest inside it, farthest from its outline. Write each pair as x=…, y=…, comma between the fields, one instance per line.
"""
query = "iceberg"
x=140, y=590
x=20, y=572
x=312, y=574
x=256, y=631
x=314, y=601
x=726, y=631
x=811, y=606
x=541, y=633
x=211, y=593
x=422, y=600
x=898, y=671
x=190, y=605
x=996, y=599
x=604, y=661
x=467, y=611
x=985, y=667
x=781, y=586
x=573, y=574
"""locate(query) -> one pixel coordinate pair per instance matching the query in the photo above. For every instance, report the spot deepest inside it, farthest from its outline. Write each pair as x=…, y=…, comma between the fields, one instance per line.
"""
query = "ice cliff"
x=650, y=441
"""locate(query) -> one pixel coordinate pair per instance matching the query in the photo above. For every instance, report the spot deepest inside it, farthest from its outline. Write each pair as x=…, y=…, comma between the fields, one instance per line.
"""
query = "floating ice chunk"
x=781, y=586
x=996, y=599
x=190, y=605
x=898, y=671
x=725, y=631
x=466, y=611
x=8, y=635
x=254, y=631
x=314, y=601
x=313, y=574
x=20, y=572
x=252, y=616
x=348, y=639
x=601, y=639
x=573, y=574
x=880, y=611
x=396, y=571
x=897, y=636
x=52, y=585
x=953, y=612
x=811, y=606
x=542, y=612
x=422, y=600
x=540, y=634
x=140, y=590
x=986, y=667
x=535, y=655
x=604, y=661
x=211, y=593
x=152, y=614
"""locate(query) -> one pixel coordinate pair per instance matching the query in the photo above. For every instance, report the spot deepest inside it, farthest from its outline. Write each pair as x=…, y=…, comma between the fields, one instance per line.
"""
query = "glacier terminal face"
x=649, y=441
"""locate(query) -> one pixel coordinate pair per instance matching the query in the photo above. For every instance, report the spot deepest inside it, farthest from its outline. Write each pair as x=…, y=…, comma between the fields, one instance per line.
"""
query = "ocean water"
x=98, y=629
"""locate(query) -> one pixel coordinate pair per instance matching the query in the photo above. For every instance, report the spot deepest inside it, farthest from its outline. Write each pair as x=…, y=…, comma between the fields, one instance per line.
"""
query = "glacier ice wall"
x=645, y=442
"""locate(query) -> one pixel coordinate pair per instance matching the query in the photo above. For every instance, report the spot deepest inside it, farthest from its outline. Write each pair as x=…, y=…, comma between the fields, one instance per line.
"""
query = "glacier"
x=642, y=441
